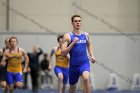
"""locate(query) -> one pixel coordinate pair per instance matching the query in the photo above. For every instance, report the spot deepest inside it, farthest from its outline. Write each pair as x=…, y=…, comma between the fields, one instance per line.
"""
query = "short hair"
x=74, y=17
x=13, y=37
x=61, y=36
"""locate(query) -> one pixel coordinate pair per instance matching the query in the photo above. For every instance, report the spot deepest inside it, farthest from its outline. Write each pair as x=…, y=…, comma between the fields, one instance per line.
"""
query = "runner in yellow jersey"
x=14, y=56
x=62, y=64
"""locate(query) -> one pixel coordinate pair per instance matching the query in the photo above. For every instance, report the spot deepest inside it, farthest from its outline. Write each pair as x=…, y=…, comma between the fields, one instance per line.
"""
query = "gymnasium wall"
x=39, y=15
x=2, y=15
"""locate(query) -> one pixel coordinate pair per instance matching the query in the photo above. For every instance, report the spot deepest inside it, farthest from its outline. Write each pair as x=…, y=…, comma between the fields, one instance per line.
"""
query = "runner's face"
x=13, y=43
x=60, y=41
x=76, y=22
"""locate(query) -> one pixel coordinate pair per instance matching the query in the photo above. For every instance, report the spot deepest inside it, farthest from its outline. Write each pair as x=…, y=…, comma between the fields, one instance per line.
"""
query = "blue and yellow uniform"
x=14, y=67
x=79, y=61
x=62, y=65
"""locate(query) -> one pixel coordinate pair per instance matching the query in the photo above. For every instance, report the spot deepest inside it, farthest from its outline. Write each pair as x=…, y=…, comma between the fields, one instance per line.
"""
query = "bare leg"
x=4, y=86
x=60, y=82
x=51, y=78
x=84, y=88
x=19, y=85
x=64, y=88
x=11, y=88
x=86, y=83
x=72, y=89
x=81, y=83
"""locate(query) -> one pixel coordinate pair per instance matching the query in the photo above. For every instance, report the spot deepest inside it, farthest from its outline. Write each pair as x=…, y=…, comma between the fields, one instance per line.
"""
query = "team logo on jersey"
x=81, y=41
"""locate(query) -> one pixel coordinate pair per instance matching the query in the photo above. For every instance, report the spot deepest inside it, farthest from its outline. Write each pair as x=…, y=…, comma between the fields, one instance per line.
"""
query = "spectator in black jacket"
x=34, y=66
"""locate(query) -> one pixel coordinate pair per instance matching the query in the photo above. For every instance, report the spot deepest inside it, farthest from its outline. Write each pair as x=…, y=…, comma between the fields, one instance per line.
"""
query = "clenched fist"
x=75, y=39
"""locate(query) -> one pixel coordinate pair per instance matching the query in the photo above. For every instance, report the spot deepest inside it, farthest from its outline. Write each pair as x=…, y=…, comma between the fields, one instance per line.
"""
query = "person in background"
x=3, y=70
x=62, y=65
x=34, y=66
x=45, y=72
x=14, y=56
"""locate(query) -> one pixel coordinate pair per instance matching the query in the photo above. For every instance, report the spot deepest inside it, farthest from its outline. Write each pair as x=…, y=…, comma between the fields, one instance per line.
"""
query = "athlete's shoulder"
x=67, y=37
x=54, y=48
x=86, y=33
x=1, y=51
x=22, y=50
